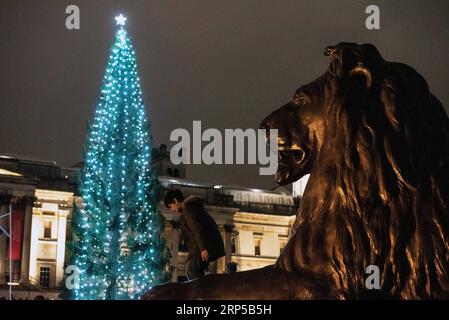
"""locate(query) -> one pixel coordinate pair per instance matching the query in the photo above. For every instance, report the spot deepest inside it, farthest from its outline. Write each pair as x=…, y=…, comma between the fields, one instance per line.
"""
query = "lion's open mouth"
x=290, y=160
x=297, y=155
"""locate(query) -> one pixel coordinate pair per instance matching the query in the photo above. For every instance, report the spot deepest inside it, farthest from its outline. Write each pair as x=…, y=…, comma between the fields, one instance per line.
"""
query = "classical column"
x=175, y=248
x=228, y=245
x=26, y=240
x=4, y=208
x=60, y=251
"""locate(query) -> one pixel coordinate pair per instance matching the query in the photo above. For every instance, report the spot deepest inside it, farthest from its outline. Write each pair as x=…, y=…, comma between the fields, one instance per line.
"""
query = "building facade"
x=39, y=195
x=255, y=224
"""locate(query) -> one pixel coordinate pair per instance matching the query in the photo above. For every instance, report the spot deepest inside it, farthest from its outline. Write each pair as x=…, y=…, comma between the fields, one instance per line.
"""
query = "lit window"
x=282, y=246
x=44, y=278
x=257, y=247
x=183, y=244
x=47, y=229
x=233, y=245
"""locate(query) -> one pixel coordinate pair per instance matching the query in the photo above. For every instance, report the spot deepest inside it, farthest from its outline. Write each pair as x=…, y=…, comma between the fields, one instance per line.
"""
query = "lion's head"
x=376, y=143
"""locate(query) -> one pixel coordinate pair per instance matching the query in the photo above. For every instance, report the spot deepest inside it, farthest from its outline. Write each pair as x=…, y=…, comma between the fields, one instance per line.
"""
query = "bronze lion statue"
x=375, y=141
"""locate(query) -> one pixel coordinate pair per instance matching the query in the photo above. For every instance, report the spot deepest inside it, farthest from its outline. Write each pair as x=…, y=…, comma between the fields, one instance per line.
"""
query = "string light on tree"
x=118, y=242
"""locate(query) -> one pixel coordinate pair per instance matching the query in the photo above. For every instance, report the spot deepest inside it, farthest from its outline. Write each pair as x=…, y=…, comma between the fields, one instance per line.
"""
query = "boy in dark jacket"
x=204, y=239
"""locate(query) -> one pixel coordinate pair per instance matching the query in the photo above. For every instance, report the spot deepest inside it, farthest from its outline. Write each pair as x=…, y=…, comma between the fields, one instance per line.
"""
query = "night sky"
x=226, y=63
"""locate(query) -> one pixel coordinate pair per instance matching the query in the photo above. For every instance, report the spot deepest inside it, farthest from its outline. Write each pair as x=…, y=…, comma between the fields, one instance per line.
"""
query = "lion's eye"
x=299, y=100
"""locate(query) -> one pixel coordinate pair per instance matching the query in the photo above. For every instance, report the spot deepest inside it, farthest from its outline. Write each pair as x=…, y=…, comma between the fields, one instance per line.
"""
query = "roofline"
x=27, y=159
x=191, y=183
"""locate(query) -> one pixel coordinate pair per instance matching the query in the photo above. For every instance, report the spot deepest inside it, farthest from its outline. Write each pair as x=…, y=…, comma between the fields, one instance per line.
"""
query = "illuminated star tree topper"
x=121, y=20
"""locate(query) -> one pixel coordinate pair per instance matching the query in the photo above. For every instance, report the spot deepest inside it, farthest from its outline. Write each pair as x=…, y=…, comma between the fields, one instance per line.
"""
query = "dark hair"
x=171, y=195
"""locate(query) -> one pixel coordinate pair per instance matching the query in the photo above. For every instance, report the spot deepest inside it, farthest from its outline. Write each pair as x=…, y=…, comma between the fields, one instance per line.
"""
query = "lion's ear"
x=360, y=70
x=349, y=61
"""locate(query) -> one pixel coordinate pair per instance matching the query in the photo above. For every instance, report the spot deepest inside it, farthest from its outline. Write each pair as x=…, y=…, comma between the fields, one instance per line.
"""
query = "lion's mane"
x=379, y=190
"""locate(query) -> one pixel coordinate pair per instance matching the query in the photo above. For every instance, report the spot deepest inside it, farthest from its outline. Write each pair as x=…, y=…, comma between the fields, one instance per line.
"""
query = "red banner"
x=16, y=233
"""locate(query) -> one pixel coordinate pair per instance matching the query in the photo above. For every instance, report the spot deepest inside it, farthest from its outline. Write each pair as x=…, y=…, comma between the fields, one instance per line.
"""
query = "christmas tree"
x=118, y=243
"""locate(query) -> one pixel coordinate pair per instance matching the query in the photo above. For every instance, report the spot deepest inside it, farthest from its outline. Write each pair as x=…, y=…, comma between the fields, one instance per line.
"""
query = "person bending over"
x=205, y=243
